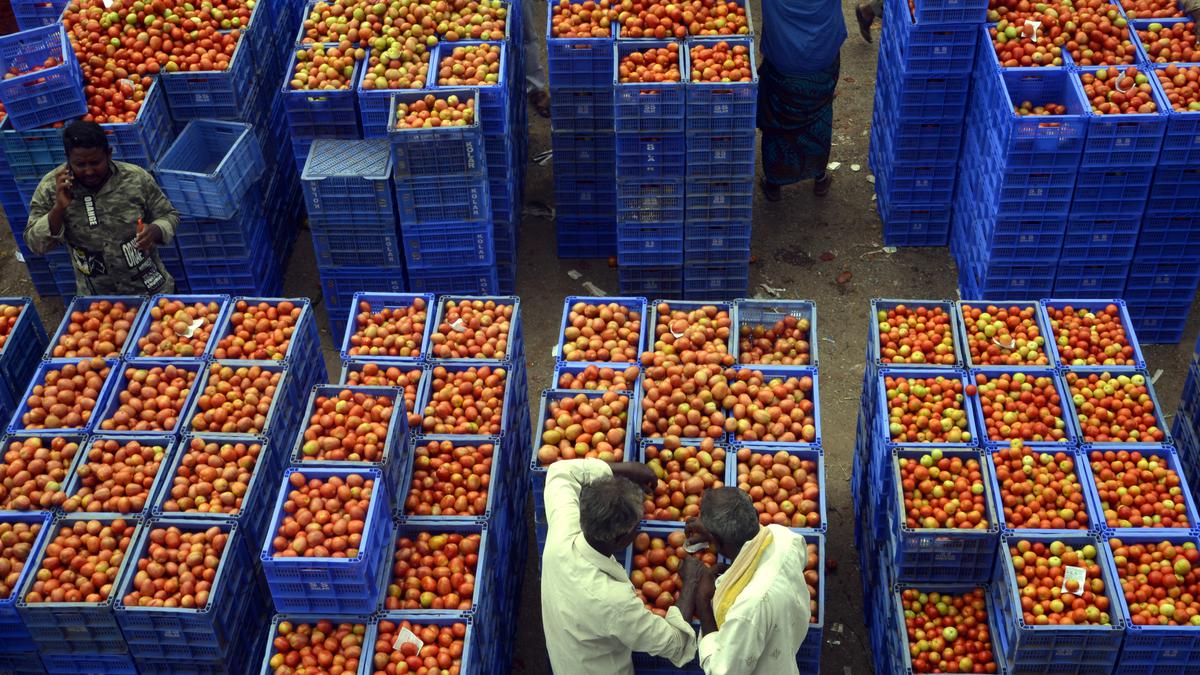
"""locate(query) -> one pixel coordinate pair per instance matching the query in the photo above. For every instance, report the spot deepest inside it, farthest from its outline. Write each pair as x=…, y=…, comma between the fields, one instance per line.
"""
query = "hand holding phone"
x=64, y=182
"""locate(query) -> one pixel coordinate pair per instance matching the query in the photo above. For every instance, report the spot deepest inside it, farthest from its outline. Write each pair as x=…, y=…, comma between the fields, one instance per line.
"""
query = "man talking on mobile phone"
x=110, y=216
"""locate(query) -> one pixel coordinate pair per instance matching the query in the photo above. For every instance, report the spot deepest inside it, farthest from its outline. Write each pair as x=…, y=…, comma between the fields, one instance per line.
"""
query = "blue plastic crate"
x=597, y=195
x=1080, y=648
x=1031, y=372
x=720, y=251
x=932, y=49
x=221, y=238
x=752, y=313
x=147, y=137
x=916, y=224
x=1112, y=193
x=644, y=244
x=338, y=249
x=651, y=201
x=972, y=436
x=442, y=151
x=774, y=372
x=210, y=167
x=38, y=379
x=21, y=352
x=73, y=484
x=311, y=619
x=470, y=279
x=444, y=526
x=1100, y=239
x=720, y=200
x=650, y=156
x=216, y=631
x=323, y=113
x=712, y=155
x=813, y=454
x=1161, y=282
x=1173, y=461
x=34, y=13
x=585, y=237
x=38, y=95
x=493, y=98
x=1181, y=140
x=1174, y=191
x=1036, y=142
x=898, y=628
x=90, y=664
x=257, y=272
x=335, y=585
x=1161, y=323
x=721, y=281
x=119, y=381
x=1017, y=241
x=76, y=628
x=514, y=341
x=1153, y=648
x=920, y=141
x=510, y=405
x=145, y=318
x=635, y=306
x=630, y=450
x=494, y=486
x=584, y=155
x=434, y=246
x=341, y=283
x=949, y=11
x=214, y=94
x=656, y=107
x=1127, y=141
x=725, y=107
x=31, y=155
x=1096, y=280
x=1084, y=372
x=378, y=302
x=347, y=182
x=664, y=281
x=469, y=662
x=303, y=343
x=376, y=107
x=12, y=628
x=882, y=306
x=578, y=63
x=586, y=110
x=392, y=457
x=279, y=422
x=1092, y=306
x=923, y=96
x=1030, y=195
x=82, y=303
x=442, y=199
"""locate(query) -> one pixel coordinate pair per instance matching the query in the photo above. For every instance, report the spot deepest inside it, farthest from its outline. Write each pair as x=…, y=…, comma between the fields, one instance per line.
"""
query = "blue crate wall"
x=321, y=113
x=1160, y=323
x=578, y=64
x=216, y=239
x=218, y=94
x=347, y=182
x=1181, y=139
x=35, y=13
x=256, y=272
x=1126, y=141
x=1175, y=191
x=1151, y=648
x=442, y=151
x=1111, y=193
x=210, y=167
x=22, y=349
x=1158, y=281
x=660, y=281
x=35, y=98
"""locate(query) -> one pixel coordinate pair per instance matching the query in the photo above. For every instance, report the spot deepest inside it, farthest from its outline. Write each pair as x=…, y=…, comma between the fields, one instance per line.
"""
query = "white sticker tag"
x=1012, y=343
x=458, y=326
x=1037, y=25
x=108, y=4
x=406, y=636
x=677, y=335
x=1076, y=574
x=191, y=329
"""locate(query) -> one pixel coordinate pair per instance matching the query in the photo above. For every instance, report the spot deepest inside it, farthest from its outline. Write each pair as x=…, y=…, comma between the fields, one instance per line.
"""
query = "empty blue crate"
x=578, y=63
x=1037, y=141
x=257, y=272
x=215, y=631
x=108, y=664
x=1090, y=280
x=332, y=585
x=474, y=279
x=348, y=182
x=1158, y=282
x=650, y=156
x=21, y=352
x=1112, y=192
x=1089, y=239
x=221, y=238
x=595, y=196
x=226, y=93
x=210, y=167
x=34, y=13
x=320, y=113
x=1126, y=141
x=450, y=244
x=932, y=49
x=1025, y=195
x=579, y=238
x=1161, y=323
x=1181, y=140
x=586, y=155
x=337, y=247
x=582, y=111
x=12, y=628
x=1175, y=191
x=705, y=247
x=436, y=151
x=38, y=95
x=146, y=138
x=339, y=284
x=648, y=106
x=949, y=11
x=31, y=155
x=924, y=96
x=720, y=200
x=443, y=199
x=913, y=224
x=722, y=107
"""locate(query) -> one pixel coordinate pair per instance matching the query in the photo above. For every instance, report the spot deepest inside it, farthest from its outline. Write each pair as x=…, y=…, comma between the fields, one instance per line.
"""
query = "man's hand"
x=698, y=577
x=695, y=532
x=641, y=475
x=63, y=183
x=148, y=236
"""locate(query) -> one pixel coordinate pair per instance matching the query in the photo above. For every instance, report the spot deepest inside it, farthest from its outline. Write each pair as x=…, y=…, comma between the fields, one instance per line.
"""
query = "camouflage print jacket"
x=100, y=228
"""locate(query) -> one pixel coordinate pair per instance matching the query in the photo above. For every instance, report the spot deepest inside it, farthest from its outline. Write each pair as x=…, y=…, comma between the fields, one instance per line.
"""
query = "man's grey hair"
x=609, y=508
x=728, y=514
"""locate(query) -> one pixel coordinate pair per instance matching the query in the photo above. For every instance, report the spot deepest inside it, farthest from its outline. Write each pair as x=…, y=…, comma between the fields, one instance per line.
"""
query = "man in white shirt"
x=591, y=615
x=754, y=618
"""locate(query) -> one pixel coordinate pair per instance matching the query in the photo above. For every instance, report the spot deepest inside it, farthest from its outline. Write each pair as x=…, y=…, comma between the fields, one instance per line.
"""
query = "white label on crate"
x=406, y=636
x=1076, y=574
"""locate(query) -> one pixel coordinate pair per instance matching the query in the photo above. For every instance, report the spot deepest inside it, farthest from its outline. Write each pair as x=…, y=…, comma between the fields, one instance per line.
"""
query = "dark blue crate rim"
x=635, y=304
x=1060, y=387
x=1173, y=461
x=1114, y=373
x=811, y=453
x=896, y=592
x=765, y=312
x=884, y=305
x=937, y=12
x=726, y=306
x=381, y=301
x=119, y=382
x=283, y=398
x=495, y=482
x=1092, y=306
x=49, y=95
x=379, y=493
x=303, y=331
x=514, y=322
x=219, y=590
x=132, y=352
x=82, y=303
x=632, y=422
x=1017, y=628
x=394, y=443
x=15, y=425
x=882, y=426
x=783, y=372
x=407, y=528
x=262, y=478
x=36, y=555
x=468, y=662
x=363, y=620
x=1039, y=320
x=235, y=173
x=169, y=444
x=1093, y=524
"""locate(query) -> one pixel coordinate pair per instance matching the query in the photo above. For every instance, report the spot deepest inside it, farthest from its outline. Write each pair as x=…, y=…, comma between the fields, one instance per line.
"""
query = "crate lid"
x=328, y=157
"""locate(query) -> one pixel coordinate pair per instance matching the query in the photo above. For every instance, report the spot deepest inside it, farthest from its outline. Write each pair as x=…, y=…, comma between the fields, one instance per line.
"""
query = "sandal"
x=822, y=184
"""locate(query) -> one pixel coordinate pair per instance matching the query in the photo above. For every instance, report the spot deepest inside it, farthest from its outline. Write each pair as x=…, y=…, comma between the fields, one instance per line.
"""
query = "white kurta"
x=768, y=621
x=592, y=618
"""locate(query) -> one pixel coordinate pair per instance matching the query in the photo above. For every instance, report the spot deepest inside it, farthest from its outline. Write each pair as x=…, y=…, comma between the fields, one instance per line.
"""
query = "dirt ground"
x=803, y=245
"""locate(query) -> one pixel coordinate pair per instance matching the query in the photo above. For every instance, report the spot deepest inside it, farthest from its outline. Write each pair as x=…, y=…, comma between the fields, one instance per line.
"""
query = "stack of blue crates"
x=20, y=351
x=649, y=119
x=582, y=138
x=925, y=60
x=719, y=154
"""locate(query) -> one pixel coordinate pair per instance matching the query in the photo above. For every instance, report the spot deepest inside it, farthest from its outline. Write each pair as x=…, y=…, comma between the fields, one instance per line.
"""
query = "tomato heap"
x=1139, y=490
x=1006, y=336
x=1115, y=409
x=585, y=426
x=1021, y=405
x=1039, y=490
x=1090, y=338
x=1047, y=597
x=947, y=633
x=1161, y=581
x=916, y=335
x=927, y=410
x=943, y=492
x=785, y=489
x=655, y=569
x=433, y=571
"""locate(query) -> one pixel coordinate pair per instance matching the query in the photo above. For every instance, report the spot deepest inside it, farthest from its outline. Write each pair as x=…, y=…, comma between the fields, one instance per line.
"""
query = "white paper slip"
x=406, y=636
x=1076, y=574
x=191, y=329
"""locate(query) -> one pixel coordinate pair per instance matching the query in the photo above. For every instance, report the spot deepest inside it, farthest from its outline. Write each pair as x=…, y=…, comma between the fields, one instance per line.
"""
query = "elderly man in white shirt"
x=592, y=618
x=755, y=616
